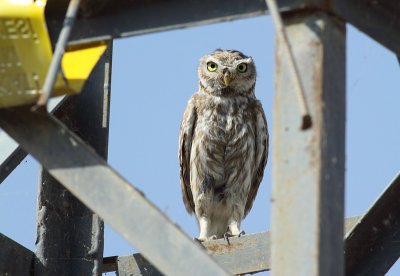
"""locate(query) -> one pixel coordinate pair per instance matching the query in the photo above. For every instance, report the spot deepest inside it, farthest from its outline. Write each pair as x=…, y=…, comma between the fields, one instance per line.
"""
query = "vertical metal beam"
x=70, y=236
x=308, y=166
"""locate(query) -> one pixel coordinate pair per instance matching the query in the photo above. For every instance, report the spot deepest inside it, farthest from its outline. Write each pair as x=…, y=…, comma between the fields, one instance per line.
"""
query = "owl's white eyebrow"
x=213, y=60
x=245, y=60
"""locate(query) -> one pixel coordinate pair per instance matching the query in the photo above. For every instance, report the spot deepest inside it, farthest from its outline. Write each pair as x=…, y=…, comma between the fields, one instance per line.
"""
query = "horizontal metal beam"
x=378, y=19
x=247, y=254
x=373, y=246
x=115, y=19
x=14, y=258
x=86, y=175
x=122, y=18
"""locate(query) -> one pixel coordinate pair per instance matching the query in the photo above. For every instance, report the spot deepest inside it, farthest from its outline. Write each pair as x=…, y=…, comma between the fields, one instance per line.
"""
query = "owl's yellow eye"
x=242, y=67
x=211, y=66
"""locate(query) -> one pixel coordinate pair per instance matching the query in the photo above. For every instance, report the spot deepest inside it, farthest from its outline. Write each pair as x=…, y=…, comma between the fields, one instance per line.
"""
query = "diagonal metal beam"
x=69, y=160
x=127, y=18
x=11, y=155
x=373, y=246
x=378, y=19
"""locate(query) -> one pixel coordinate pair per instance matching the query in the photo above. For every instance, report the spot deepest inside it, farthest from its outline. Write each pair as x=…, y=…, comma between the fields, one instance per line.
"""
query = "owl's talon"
x=228, y=234
x=199, y=240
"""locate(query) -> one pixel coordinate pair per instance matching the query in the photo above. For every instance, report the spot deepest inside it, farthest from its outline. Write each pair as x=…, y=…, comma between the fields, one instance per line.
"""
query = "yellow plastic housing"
x=25, y=55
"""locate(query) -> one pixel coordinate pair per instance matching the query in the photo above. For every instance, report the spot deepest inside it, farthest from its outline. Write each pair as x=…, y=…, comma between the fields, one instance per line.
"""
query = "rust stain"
x=223, y=248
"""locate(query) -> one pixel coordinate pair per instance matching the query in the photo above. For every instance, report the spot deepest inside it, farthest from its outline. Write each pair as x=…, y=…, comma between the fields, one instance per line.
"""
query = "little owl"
x=223, y=144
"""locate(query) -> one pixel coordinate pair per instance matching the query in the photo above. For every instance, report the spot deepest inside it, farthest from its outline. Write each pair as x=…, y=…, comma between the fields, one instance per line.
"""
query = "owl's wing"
x=185, y=143
x=262, y=140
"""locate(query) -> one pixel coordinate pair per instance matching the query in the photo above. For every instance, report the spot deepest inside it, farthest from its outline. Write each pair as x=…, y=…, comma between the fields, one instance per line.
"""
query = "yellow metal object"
x=77, y=65
x=25, y=55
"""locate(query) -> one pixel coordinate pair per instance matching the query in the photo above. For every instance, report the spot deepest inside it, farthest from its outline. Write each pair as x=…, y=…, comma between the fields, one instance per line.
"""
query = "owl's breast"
x=225, y=135
x=226, y=120
x=223, y=148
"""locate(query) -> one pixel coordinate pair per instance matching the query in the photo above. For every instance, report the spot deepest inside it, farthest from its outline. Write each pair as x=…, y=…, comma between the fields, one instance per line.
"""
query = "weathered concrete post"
x=308, y=166
x=70, y=236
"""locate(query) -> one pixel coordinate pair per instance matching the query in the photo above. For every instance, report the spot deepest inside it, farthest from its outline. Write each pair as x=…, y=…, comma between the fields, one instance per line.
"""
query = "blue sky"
x=154, y=76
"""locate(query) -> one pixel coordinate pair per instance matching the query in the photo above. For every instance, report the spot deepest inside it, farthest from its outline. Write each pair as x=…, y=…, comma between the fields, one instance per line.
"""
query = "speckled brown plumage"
x=223, y=144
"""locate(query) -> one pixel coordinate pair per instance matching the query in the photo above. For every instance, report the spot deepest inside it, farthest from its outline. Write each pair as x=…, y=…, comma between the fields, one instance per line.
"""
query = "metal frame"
x=93, y=182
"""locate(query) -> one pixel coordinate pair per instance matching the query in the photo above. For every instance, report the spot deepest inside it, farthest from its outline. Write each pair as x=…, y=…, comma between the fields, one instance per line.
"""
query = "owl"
x=223, y=144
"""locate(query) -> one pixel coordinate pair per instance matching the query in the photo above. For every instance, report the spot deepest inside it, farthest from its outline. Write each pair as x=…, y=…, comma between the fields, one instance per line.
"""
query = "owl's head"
x=227, y=73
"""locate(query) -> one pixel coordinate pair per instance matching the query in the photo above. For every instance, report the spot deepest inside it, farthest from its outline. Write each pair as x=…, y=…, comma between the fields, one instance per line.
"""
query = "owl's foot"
x=228, y=234
x=201, y=240
x=198, y=240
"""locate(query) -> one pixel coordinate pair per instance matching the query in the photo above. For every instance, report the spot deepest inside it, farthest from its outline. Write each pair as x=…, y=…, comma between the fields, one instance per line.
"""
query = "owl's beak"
x=227, y=79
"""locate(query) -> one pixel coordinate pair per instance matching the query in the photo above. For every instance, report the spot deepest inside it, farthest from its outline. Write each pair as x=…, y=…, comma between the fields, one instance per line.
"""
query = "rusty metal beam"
x=308, y=166
x=87, y=176
x=247, y=254
x=373, y=246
